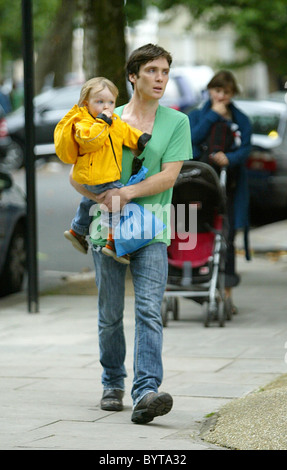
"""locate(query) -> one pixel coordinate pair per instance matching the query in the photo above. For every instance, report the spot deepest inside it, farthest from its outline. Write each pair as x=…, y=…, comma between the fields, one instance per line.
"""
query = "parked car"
x=53, y=104
x=5, y=139
x=197, y=77
x=49, y=107
x=280, y=96
x=11, y=154
x=267, y=163
x=180, y=92
x=12, y=236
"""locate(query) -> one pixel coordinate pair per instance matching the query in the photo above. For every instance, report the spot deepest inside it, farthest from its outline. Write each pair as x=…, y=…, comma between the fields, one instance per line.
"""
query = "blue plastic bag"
x=136, y=228
x=138, y=177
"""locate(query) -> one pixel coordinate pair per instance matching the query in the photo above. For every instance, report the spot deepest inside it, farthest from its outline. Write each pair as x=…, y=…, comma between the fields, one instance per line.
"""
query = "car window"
x=265, y=120
x=44, y=97
x=284, y=136
x=172, y=93
x=62, y=99
x=265, y=124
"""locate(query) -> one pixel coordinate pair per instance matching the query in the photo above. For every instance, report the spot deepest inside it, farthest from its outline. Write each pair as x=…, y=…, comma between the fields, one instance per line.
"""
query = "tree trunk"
x=55, y=54
x=104, y=42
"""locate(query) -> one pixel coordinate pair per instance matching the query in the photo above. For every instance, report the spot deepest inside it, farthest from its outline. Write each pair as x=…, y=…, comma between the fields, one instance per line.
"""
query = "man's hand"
x=114, y=199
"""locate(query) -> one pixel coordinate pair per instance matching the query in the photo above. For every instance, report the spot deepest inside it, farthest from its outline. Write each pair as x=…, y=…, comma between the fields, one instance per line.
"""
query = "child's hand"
x=107, y=113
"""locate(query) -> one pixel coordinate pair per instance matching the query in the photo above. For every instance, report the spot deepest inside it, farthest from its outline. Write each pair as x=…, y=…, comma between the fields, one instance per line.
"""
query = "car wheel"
x=14, y=158
x=12, y=277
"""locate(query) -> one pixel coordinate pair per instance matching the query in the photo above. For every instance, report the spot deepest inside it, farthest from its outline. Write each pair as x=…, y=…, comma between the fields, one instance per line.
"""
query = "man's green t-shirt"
x=170, y=142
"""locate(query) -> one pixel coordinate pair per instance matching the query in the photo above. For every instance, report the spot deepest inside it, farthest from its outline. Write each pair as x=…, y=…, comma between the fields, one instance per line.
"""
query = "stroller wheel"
x=228, y=308
x=221, y=314
x=207, y=314
x=164, y=312
x=174, y=307
x=211, y=315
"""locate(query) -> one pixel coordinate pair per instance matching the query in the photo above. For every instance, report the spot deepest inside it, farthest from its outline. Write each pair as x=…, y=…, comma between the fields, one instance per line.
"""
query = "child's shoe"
x=78, y=241
x=109, y=250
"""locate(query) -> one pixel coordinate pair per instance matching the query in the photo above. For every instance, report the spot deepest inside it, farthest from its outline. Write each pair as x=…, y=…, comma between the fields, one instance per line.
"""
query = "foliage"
x=104, y=45
x=11, y=25
x=135, y=10
x=260, y=25
x=44, y=14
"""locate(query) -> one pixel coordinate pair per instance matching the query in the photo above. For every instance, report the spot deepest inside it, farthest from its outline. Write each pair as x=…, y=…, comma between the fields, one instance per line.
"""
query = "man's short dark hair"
x=143, y=55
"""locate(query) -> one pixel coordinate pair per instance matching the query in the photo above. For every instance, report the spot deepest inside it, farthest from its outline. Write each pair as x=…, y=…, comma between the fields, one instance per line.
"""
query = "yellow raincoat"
x=94, y=145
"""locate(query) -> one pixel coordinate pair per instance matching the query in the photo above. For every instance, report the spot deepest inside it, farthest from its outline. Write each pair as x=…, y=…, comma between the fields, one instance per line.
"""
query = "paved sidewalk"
x=50, y=375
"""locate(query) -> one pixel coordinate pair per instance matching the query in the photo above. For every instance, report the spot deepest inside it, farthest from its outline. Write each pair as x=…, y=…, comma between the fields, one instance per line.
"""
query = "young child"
x=93, y=137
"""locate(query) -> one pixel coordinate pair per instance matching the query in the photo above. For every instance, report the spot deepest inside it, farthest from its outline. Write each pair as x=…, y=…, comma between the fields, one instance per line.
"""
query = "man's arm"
x=81, y=189
x=154, y=184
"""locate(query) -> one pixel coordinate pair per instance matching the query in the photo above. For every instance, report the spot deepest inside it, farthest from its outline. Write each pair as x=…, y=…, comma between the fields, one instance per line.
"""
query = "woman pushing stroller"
x=221, y=134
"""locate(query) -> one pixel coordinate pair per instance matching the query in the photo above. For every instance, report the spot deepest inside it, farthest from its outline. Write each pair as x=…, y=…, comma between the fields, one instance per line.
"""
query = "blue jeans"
x=149, y=269
x=82, y=220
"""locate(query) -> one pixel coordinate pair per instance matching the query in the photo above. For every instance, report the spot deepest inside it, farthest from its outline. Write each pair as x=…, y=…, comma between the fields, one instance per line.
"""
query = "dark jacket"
x=201, y=121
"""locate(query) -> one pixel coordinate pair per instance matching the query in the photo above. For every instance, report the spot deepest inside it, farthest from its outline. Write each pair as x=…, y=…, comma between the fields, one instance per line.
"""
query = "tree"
x=104, y=46
x=11, y=27
x=55, y=53
x=260, y=27
x=104, y=27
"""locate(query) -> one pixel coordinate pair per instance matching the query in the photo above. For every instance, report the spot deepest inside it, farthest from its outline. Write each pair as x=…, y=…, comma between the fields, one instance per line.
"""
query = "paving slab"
x=51, y=378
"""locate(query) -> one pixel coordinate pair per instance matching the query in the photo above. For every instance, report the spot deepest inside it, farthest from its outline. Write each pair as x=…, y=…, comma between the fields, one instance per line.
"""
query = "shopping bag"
x=136, y=228
x=138, y=177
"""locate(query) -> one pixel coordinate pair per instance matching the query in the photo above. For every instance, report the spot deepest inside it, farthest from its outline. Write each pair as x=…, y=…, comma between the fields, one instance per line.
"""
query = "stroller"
x=196, y=256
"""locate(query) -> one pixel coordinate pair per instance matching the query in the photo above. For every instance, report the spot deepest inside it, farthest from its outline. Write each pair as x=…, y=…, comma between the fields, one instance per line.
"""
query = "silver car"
x=267, y=163
x=12, y=236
